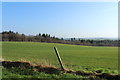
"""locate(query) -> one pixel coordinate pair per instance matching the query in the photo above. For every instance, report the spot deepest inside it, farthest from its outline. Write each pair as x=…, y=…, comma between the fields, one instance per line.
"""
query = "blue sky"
x=62, y=19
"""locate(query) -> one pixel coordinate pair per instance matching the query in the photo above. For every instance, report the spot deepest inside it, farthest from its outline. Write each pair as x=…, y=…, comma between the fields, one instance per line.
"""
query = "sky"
x=62, y=19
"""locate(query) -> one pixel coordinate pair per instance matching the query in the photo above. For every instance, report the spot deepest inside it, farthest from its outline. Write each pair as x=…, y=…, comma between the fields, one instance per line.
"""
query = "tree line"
x=15, y=36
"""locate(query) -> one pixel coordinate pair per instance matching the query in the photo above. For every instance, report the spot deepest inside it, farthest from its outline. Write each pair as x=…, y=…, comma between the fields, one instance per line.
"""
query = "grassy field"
x=30, y=75
x=74, y=57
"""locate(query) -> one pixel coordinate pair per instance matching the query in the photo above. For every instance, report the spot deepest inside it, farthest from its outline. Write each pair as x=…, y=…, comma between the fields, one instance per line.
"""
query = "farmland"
x=74, y=57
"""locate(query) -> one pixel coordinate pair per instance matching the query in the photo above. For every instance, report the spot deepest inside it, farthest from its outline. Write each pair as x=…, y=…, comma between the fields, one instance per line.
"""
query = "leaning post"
x=59, y=59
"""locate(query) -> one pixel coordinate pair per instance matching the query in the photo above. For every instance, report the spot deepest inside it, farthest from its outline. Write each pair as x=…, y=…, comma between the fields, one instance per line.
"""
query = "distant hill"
x=15, y=36
x=93, y=38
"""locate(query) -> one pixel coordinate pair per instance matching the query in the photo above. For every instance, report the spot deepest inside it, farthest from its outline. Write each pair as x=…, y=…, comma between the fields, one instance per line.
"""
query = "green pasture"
x=73, y=56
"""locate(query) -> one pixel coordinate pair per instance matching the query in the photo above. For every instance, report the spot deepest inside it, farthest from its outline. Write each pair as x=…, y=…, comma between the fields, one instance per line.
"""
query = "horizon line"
x=54, y=35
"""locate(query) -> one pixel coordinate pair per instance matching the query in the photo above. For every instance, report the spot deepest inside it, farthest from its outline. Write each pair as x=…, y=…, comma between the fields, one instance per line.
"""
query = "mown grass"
x=74, y=57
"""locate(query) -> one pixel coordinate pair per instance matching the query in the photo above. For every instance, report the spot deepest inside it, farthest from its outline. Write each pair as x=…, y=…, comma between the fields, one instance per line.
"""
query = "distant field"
x=73, y=56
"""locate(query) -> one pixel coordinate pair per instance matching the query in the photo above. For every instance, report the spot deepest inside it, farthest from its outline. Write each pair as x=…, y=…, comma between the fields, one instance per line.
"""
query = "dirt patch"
x=84, y=73
x=22, y=65
x=50, y=70
x=108, y=76
x=54, y=70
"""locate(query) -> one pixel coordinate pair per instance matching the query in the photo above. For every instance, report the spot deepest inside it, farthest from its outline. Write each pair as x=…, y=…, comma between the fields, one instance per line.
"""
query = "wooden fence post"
x=59, y=59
